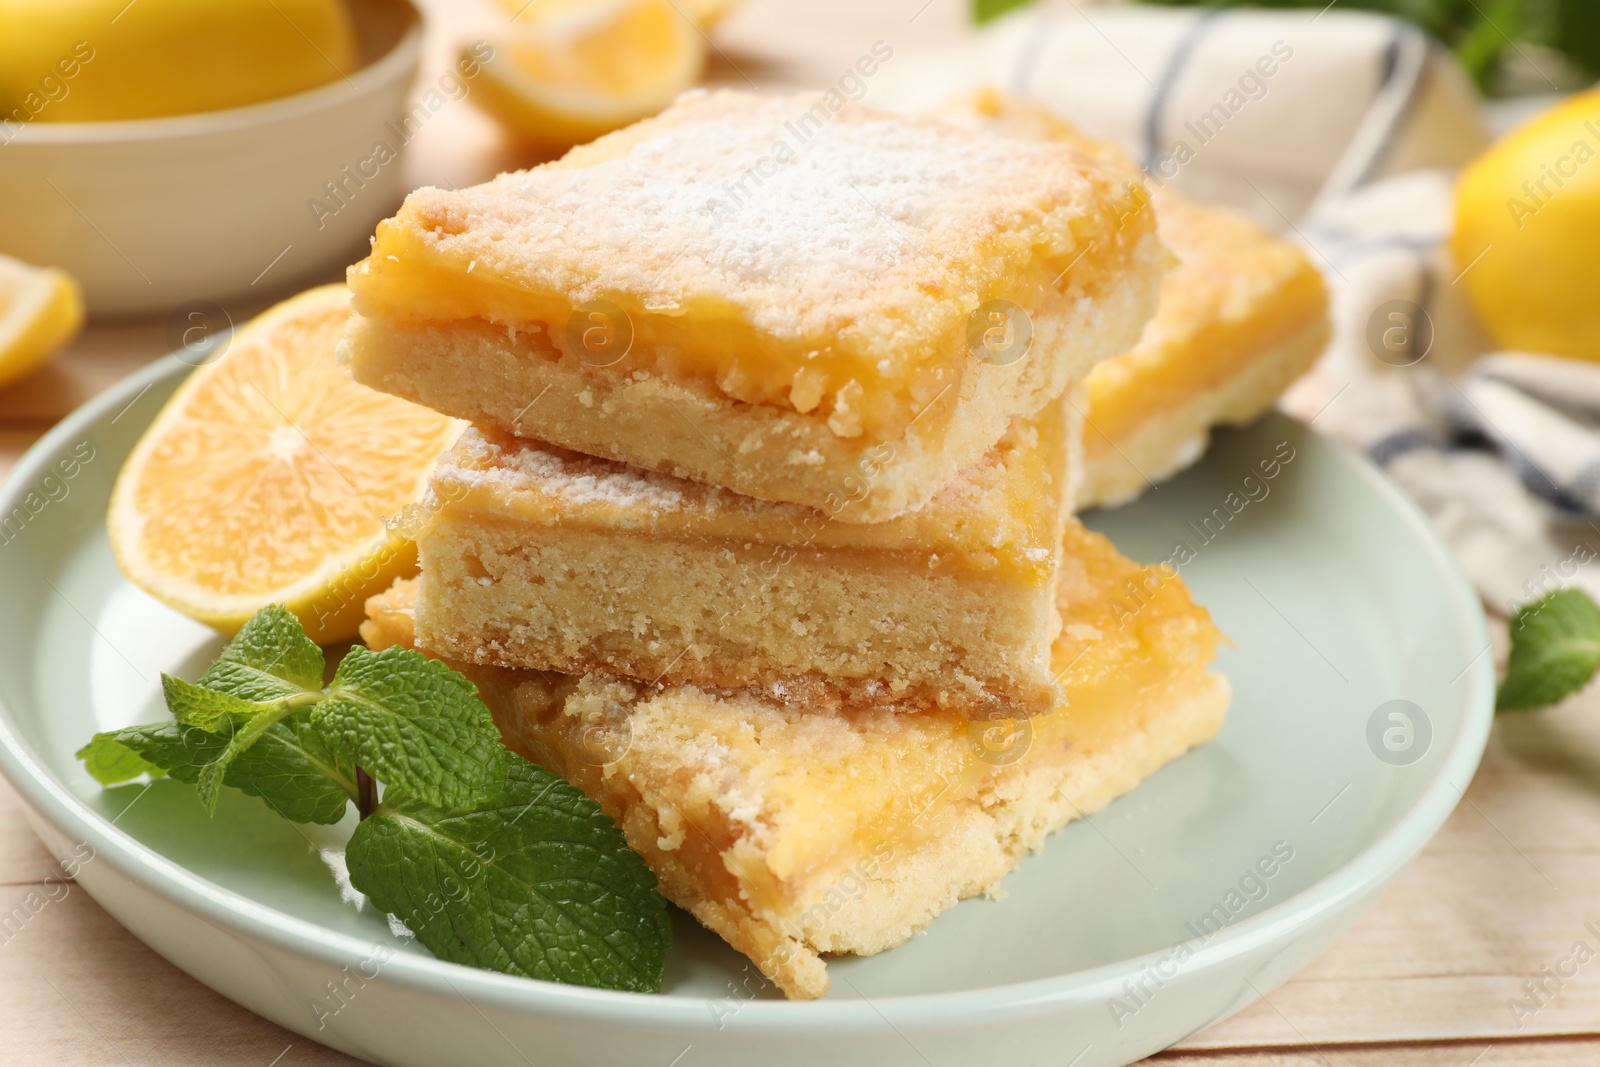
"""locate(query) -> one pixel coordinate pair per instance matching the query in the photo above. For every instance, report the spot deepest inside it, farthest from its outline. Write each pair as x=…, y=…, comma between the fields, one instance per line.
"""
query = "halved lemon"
x=573, y=71
x=41, y=309
x=267, y=478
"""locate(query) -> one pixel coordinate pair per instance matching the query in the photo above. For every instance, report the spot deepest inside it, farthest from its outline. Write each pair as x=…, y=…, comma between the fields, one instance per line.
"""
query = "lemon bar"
x=795, y=833
x=534, y=556
x=1242, y=315
x=763, y=294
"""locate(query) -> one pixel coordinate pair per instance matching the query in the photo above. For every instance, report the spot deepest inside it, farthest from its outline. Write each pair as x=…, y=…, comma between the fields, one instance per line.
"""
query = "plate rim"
x=1374, y=866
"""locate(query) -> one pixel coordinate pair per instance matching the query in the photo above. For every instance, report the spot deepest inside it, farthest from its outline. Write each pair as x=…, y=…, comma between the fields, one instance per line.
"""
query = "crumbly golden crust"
x=794, y=832
x=825, y=630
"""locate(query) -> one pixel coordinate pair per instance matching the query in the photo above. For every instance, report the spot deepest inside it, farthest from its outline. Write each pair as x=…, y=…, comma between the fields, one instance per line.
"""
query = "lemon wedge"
x=107, y=60
x=267, y=478
x=41, y=309
x=572, y=71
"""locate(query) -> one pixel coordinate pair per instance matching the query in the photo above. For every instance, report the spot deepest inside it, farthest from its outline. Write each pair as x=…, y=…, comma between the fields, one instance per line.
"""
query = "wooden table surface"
x=1426, y=978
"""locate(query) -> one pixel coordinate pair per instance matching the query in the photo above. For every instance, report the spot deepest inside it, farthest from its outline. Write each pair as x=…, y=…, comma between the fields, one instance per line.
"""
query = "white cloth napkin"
x=1340, y=130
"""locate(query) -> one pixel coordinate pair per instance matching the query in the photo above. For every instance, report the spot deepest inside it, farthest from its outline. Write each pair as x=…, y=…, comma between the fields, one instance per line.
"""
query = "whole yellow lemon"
x=99, y=60
x=1528, y=232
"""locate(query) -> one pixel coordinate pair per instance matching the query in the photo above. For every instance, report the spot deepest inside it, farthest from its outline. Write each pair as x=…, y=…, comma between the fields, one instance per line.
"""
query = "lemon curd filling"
x=1116, y=647
x=913, y=780
x=859, y=387
x=1236, y=292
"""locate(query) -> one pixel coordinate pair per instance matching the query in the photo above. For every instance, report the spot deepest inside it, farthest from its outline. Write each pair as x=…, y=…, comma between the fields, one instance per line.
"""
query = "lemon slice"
x=267, y=478
x=41, y=309
x=574, y=71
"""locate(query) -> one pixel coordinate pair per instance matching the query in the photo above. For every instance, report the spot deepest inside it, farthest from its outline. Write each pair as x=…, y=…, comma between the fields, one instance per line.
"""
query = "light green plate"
x=1129, y=931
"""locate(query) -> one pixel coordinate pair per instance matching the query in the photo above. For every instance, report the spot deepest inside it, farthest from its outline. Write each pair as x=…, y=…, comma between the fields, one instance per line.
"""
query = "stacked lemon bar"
x=1242, y=315
x=762, y=535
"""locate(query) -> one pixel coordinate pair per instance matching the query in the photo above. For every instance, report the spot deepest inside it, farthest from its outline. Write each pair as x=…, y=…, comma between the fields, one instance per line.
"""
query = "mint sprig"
x=1555, y=651
x=488, y=859
x=117, y=756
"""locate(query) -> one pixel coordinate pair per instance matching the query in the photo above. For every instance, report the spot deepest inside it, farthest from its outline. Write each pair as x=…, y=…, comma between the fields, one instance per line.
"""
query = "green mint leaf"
x=988, y=10
x=164, y=748
x=1555, y=650
x=110, y=760
x=193, y=705
x=268, y=672
x=413, y=723
x=539, y=882
x=239, y=734
x=291, y=769
x=288, y=767
x=270, y=659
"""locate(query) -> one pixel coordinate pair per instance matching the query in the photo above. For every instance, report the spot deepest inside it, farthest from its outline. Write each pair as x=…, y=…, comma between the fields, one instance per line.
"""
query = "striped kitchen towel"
x=1501, y=449
x=1263, y=111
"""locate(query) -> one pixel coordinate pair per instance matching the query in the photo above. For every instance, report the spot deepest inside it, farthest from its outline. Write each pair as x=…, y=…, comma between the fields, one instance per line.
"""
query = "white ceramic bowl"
x=151, y=214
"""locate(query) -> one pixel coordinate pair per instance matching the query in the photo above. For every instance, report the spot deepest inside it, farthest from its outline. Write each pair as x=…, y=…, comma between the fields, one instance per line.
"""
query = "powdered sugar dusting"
x=804, y=217
x=478, y=460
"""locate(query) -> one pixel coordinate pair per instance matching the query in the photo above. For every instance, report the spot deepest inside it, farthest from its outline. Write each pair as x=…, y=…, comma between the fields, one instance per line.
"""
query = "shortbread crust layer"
x=770, y=357
x=796, y=832
x=535, y=557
